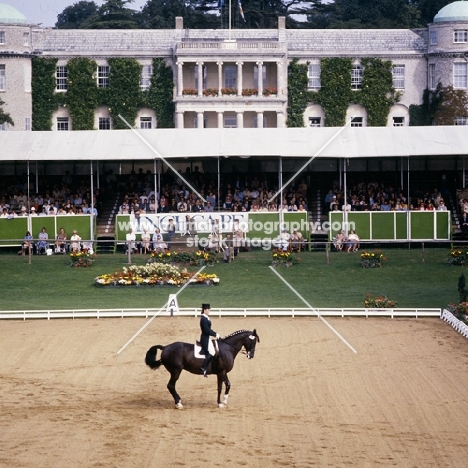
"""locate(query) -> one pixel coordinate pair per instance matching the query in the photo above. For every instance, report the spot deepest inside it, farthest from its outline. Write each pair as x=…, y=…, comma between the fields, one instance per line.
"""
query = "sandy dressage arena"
x=306, y=400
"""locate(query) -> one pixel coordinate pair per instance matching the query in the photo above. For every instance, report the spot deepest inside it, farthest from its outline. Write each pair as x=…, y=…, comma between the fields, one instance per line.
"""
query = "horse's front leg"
x=222, y=377
x=175, y=374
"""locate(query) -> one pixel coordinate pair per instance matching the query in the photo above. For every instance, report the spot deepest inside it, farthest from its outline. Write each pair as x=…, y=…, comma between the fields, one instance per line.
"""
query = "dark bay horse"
x=179, y=356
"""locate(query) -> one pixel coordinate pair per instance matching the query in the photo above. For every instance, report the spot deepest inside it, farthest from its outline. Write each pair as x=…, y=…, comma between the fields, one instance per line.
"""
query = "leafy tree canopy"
x=74, y=16
x=113, y=14
x=4, y=117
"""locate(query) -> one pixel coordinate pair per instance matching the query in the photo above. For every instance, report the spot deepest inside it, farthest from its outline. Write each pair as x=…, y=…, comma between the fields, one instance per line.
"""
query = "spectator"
x=353, y=241
x=75, y=242
x=60, y=241
x=43, y=244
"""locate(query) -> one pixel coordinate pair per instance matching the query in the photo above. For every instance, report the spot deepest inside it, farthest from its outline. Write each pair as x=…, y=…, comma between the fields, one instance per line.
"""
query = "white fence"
x=228, y=312
x=460, y=326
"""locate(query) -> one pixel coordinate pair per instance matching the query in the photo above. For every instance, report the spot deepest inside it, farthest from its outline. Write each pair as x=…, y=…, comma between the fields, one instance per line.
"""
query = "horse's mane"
x=238, y=332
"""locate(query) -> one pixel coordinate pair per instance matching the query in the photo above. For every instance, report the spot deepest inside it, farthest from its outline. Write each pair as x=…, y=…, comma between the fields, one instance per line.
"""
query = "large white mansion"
x=234, y=61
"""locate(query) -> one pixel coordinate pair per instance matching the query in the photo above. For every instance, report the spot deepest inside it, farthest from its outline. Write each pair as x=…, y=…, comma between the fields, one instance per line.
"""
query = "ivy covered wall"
x=377, y=94
x=123, y=96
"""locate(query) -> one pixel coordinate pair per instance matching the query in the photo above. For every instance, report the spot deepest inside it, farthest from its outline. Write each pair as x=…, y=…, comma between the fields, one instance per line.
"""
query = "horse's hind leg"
x=175, y=374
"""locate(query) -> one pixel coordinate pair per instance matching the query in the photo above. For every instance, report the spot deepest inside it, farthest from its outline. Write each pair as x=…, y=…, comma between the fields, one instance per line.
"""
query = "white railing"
x=458, y=325
x=228, y=312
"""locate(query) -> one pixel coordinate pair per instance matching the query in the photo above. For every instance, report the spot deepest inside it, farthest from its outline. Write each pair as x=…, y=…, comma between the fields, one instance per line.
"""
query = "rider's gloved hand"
x=217, y=336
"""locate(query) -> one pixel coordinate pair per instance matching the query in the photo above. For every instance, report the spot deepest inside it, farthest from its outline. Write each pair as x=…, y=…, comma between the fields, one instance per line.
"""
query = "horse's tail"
x=150, y=359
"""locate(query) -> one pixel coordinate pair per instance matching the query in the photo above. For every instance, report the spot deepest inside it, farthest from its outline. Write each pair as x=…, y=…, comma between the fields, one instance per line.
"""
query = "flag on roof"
x=241, y=11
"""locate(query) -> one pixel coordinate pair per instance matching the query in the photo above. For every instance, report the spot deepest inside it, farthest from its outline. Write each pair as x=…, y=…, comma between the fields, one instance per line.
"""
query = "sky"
x=46, y=11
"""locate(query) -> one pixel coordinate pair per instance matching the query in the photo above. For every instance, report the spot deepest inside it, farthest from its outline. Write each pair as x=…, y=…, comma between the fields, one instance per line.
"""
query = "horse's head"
x=250, y=343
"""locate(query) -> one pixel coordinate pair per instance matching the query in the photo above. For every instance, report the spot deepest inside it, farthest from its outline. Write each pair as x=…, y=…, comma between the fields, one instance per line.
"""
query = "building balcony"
x=229, y=47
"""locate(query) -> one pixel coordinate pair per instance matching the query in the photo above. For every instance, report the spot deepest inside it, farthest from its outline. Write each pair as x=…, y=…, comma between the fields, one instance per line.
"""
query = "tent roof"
x=328, y=142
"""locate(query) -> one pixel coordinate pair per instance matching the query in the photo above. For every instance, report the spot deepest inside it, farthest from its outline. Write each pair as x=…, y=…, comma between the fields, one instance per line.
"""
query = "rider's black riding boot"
x=206, y=363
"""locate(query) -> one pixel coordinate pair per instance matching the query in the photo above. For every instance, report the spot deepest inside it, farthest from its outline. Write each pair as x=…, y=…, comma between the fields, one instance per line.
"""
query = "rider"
x=206, y=332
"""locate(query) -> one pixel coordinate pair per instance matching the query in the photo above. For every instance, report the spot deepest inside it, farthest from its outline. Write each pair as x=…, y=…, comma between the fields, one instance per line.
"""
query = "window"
x=63, y=124
x=230, y=121
x=313, y=75
x=263, y=76
x=2, y=78
x=433, y=37
x=398, y=121
x=432, y=78
x=146, y=74
x=104, y=123
x=356, y=122
x=230, y=76
x=356, y=77
x=26, y=39
x=314, y=121
x=2, y=37
x=27, y=123
x=203, y=77
x=61, y=78
x=460, y=35
x=461, y=121
x=146, y=123
x=103, y=76
x=460, y=75
x=398, y=73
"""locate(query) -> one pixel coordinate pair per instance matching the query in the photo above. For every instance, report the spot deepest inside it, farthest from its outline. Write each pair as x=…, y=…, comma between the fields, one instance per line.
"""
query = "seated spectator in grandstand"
x=353, y=241
x=182, y=205
x=441, y=206
x=75, y=242
x=297, y=241
x=385, y=205
x=158, y=243
x=130, y=242
x=292, y=207
x=339, y=240
x=77, y=201
x=152, y=205
x=4, y=213
x=61, y=241
x=333, y=203
x=227, y=205
x=209, y=207
x=61, y=211
x=145, y=241
x=211, y=198
x=43, y=244
x=430, y=207
x=421, y=206
x=464, y=224
x=28, y=244
x=33, y=212
x=285, y=238
x=24, y=211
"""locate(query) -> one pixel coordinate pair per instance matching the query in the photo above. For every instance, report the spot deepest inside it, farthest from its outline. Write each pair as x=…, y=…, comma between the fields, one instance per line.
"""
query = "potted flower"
x=372, y=259
x=189, y=92
x=81, y=259
x=210, y=92
x=229, y=91
x=250, y=92
x=458, y=257
x=281, y=258
x=270, y=91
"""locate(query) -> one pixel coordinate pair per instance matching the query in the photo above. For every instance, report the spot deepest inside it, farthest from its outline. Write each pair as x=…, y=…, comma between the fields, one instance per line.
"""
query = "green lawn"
x=48, y=283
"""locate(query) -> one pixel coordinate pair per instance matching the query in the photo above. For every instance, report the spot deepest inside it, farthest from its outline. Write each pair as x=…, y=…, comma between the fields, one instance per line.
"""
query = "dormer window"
x=433, y=38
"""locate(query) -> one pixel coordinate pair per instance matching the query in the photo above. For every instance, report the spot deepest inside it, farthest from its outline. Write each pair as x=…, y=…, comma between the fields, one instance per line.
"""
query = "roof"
x=125, y=145
x=11, y=15
x=456, y=11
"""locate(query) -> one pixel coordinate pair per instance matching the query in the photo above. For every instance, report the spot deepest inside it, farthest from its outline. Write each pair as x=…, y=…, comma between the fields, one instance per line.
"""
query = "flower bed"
x=372, y=259
x=379, y=302
x=81, y=259
x=199, y=258
x=154, y=274
x=458, y=257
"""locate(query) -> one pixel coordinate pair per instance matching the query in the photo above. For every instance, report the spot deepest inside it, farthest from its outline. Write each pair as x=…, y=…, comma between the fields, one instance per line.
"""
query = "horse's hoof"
x=179, y=405
x=221, y=405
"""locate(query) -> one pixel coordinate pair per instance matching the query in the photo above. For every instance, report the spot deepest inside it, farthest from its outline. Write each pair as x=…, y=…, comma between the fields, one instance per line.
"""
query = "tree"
x=364, y=14
x=429, y=8
x=4, y=117
x=113, y=14
x=74, y=16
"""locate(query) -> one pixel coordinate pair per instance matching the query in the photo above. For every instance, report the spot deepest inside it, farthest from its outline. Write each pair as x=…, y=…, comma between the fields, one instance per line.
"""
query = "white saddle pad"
x=211, y=349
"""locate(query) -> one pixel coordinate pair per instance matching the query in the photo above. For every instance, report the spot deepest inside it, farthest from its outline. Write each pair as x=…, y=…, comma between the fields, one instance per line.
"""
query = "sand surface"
x=306, y=400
